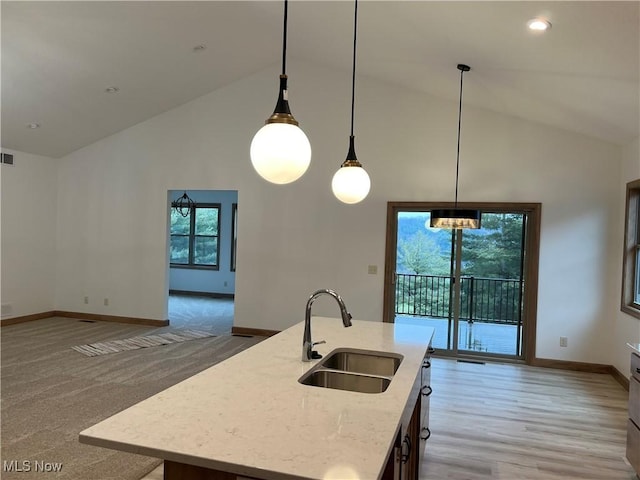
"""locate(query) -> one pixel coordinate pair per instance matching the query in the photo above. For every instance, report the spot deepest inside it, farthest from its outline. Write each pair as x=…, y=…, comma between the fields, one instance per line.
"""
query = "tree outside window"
x=194, y=238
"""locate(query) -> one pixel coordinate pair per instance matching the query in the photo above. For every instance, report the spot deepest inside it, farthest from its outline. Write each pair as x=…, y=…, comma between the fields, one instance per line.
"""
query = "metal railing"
x=490, y=300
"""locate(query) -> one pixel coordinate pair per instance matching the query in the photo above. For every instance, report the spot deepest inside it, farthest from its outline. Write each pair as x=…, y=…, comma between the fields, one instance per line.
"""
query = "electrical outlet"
x=86, y=300
x=106, y=302
x=564, y=341
x=225, y=284
x=372, y=269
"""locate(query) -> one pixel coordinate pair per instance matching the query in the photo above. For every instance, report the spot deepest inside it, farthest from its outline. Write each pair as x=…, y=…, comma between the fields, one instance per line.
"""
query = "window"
x=194, y=238
x=631, y=258
x=234, y=235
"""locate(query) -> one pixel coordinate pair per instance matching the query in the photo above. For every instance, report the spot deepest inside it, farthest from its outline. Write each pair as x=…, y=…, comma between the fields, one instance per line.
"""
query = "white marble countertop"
x=249, y=415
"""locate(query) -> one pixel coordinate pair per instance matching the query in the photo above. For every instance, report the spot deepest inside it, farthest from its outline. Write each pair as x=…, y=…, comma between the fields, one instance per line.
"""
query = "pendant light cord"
x=284, y=39
x=353, y=74
x=458, y=147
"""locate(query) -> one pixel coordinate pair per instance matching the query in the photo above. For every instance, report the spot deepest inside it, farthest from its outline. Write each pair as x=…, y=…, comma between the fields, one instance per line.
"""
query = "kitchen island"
x=250, y=416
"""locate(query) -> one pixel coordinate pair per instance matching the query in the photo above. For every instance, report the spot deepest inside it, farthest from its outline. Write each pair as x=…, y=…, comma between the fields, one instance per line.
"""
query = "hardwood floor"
x=513, y=422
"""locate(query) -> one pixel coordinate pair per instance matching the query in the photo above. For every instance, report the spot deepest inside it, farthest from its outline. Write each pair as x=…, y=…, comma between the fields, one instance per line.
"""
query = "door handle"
x=406, y=442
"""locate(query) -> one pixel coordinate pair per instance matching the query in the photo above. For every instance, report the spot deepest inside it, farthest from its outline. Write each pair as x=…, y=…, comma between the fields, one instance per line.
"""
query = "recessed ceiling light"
x=33, y=126
x=539, y=24
x=199, y=48
x=112, y=90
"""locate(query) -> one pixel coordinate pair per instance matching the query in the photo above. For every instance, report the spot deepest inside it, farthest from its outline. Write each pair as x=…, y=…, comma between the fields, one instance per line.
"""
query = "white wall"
x=222, y=280
x=294, y=239
x=626, y=329
x=28, y=234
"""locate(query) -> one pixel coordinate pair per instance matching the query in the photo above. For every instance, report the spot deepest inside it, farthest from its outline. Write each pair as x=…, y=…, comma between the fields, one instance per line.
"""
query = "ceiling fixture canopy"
x=457, y=218
x=351, y=183
x=280, y=151
x=183, y=204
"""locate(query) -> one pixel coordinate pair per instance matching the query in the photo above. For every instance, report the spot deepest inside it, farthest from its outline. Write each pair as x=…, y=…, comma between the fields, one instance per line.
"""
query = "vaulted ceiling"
x=59, y=57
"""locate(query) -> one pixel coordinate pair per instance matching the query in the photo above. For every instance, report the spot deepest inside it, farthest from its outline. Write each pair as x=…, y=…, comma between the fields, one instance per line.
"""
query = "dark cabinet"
x=403, y=462
x=633, y=425
x=408, y=450
x=425, y=394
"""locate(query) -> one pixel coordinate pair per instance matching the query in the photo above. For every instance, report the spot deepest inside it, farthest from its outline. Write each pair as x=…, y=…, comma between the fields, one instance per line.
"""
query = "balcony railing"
x=489, y=300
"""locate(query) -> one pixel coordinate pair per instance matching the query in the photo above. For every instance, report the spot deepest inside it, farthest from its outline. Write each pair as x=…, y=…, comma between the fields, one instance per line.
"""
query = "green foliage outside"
x=203, y=229
x=491, y=255
x=420, y=254
x=494, y=251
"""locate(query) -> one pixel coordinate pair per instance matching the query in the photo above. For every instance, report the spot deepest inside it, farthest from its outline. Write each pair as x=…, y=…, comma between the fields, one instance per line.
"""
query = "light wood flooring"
x=513, y=422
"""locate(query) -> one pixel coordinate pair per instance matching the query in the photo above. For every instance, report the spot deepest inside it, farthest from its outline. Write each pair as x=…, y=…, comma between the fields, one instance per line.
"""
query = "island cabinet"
x=409, y=447
x=633, y=426
x=425, y=391
x=403, y=462
x=251, y=417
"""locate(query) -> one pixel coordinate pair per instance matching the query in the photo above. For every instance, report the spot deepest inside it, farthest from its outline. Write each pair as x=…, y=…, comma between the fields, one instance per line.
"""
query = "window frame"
x=192, y=238
x=234, y=236
x=631, y=251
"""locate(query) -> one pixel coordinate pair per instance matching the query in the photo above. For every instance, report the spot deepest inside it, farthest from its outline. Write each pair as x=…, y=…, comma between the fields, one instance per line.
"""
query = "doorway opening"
x=477, y=288
x=201, y=258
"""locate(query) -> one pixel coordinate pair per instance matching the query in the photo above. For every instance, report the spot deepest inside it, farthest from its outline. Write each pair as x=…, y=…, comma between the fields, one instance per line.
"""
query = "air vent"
x=7, y=309
x=477, y=362
x=7, y=159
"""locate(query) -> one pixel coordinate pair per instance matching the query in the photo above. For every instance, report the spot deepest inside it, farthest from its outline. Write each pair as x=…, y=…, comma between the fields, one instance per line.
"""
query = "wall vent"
x=7, y=309
x=7, y=159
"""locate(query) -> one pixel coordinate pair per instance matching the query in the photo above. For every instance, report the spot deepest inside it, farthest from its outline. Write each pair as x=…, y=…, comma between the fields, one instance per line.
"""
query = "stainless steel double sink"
x=355, y=370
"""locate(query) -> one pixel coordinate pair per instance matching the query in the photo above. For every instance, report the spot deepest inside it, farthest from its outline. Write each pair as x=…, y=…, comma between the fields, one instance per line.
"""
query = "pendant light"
x=457, y=218
x=280, y=151
x=183, y=204
x=351, y=182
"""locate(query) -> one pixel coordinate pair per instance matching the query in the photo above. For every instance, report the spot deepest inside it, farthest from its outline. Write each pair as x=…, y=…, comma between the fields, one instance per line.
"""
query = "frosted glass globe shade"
x=351, y=184
x=280, y=152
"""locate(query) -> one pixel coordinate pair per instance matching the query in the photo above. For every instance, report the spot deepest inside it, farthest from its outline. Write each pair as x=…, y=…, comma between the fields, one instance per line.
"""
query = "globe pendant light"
x=280, y=151
x=456, y=218
x=351, y=182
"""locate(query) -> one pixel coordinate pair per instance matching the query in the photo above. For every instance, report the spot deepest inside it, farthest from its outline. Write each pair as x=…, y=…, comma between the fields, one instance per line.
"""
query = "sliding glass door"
x=470, y=285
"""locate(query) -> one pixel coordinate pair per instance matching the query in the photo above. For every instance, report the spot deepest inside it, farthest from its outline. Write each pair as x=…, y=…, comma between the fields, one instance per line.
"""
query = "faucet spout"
x=307, y=345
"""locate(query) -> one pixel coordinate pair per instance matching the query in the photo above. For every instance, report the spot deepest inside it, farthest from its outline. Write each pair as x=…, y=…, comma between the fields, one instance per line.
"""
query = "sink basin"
x=355, y=370
x=362, y=361
x=345, y=381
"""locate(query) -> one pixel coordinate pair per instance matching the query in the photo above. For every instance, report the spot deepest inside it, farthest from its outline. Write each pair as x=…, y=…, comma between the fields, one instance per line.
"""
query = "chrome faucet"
x=308, y=353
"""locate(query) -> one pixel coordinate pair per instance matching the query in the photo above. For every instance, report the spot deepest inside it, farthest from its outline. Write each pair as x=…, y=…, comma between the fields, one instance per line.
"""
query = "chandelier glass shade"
x=455, y=218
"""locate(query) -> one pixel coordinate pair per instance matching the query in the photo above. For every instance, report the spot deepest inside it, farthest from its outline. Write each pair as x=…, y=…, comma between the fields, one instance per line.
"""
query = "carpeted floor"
x=213, y=315
x=50, y=392
x=134, y=343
